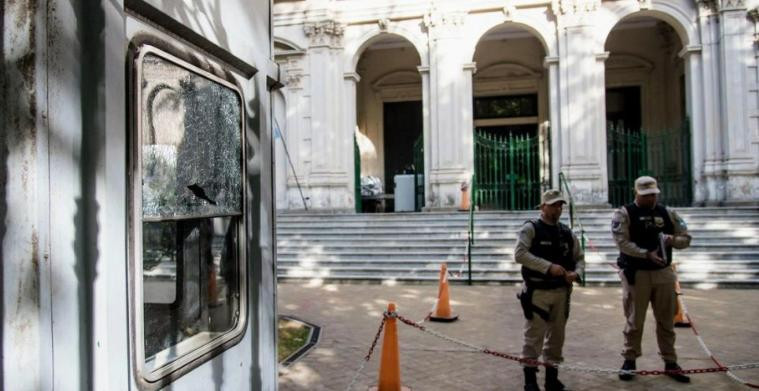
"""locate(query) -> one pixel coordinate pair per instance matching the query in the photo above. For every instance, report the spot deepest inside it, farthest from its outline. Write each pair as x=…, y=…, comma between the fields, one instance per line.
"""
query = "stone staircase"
x=411, y=246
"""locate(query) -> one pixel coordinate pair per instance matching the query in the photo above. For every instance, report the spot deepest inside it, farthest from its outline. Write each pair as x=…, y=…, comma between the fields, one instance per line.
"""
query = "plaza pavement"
x=490, y=315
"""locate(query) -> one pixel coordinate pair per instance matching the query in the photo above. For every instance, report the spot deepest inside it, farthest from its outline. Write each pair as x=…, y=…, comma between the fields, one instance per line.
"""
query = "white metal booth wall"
x=721, y=91
x=64, y=189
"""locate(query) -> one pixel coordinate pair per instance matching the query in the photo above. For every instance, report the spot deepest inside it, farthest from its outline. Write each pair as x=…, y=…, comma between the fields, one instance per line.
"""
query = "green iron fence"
x=508, y=171
x=627, y=155
x=419, y=173
x=669, y=161
x=665, y=155
x=357, y=175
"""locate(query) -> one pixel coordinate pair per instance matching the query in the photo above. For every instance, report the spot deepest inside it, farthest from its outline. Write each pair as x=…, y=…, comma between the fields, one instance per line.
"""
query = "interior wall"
x=526, y=51
x=656, y=43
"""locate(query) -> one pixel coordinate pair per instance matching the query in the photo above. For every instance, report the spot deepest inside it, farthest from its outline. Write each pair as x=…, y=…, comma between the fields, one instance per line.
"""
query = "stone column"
x=740, y=153
x=582, y=109
x=294, y=153
x=425, y=72
x=554, y=89
x=451, y=155
x=695, y=102
x=330, y=178
x=713, y=186
x=350, y=126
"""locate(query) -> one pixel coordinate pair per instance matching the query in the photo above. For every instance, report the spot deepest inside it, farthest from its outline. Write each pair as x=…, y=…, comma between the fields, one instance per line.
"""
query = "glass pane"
x=190, y=282
x=191, y=143
x=506, y=106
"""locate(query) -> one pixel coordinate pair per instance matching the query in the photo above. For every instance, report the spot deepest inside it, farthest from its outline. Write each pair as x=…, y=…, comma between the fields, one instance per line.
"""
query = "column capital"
x=603, y=56
x=470, y=66
x=327, y=33
x=423, y=69
x=707, y=7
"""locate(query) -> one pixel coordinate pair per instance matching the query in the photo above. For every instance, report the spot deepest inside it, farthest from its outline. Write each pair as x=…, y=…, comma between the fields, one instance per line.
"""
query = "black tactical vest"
x=645, y=226
x=553, y=243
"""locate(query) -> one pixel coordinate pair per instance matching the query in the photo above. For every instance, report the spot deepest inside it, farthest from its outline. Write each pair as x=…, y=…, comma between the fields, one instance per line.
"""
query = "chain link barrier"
x=385, y=317
x=706, y=349
x=728, y=369
x=474, y=348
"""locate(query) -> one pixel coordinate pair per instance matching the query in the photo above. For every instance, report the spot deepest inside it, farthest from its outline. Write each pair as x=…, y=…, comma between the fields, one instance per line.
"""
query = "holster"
x=627, y=270
x=525, y=299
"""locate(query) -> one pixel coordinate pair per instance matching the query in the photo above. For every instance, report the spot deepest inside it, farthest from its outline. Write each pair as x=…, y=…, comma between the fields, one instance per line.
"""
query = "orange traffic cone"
x=390, y=363
x=442, y=311
x=680, y=319
x=464, y=205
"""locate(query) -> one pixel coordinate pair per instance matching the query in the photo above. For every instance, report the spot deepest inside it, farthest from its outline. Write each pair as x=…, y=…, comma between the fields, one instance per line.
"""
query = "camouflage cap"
x=646, y=185
x=551, y=197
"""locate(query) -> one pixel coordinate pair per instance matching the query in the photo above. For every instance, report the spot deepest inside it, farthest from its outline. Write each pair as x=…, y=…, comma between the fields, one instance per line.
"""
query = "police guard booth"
x=136, y=212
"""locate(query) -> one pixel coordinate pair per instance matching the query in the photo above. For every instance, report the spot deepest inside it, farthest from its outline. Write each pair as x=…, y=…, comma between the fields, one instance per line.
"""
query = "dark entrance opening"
x=623, y=108
x=402, y=127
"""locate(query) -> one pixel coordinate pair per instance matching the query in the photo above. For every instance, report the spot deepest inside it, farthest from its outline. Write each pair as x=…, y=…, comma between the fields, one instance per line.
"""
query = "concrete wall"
x=63, y=191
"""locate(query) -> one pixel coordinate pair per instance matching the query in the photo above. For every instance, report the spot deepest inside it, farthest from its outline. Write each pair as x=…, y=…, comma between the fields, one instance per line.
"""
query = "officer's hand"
x=655, y=258
x=570, y=277
x=668, y=240
x=556, y=270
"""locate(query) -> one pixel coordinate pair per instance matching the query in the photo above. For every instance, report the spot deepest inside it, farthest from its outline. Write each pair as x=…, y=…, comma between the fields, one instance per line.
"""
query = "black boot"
x=552, y=380
x=628, y=365
x=530, y=379
x=672, y=366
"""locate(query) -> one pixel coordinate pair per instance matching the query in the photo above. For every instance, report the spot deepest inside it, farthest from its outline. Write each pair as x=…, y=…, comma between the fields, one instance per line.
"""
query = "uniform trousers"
x=658, y=288
x=547, y=336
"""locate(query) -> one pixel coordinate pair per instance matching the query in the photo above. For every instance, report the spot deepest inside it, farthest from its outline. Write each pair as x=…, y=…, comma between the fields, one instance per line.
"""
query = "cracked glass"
x=190, y=143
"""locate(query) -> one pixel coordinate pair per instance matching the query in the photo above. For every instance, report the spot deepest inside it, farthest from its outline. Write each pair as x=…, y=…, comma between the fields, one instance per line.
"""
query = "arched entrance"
x=647, y=126
x=390, y=126
x=511, y=136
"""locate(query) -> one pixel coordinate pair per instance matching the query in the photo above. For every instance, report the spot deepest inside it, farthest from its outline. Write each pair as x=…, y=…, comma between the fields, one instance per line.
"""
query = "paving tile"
x=350, y=314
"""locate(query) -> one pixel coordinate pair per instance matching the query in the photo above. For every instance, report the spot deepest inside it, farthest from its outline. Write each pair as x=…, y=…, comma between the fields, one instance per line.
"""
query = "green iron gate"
x=664, y=155
x=419, y=173
x=626, y=154
x=357, y=175
x=507, y=169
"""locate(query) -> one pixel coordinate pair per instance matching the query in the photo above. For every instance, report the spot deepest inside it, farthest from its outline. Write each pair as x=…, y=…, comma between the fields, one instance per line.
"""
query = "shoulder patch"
x=616, y=223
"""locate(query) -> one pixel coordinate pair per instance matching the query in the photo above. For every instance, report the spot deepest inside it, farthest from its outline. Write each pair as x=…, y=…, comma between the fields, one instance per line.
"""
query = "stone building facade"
x=656, y=64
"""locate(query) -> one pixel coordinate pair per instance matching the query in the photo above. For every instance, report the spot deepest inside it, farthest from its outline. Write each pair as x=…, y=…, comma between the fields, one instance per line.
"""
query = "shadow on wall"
x=90, y=28
x=3, y=184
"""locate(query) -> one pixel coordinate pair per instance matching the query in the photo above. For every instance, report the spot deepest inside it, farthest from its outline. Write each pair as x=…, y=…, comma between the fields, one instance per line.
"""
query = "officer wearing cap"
x=552, y=259
x=645, y=233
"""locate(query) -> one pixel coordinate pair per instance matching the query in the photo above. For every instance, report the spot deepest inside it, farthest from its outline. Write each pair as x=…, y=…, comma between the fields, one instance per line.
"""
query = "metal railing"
x=573, y=217
x=278, y=134
x=470, y=233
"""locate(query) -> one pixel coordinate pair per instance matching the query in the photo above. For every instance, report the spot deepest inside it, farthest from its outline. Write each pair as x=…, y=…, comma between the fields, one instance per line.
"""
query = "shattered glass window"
x=191, y=130
x=191, y=181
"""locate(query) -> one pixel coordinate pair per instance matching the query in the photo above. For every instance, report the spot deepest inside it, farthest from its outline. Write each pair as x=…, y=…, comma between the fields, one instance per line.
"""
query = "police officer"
x=645, y=233
x=552, y=259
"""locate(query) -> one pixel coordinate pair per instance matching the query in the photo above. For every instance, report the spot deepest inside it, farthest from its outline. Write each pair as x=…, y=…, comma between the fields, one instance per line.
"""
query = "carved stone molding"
x=574, y=7
x=383, y=24
x=645, y=4
x=707, y=7
x=324, y=33
x=754, y=15
x=732, y=5
x=292, y=71
x=436, y=18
